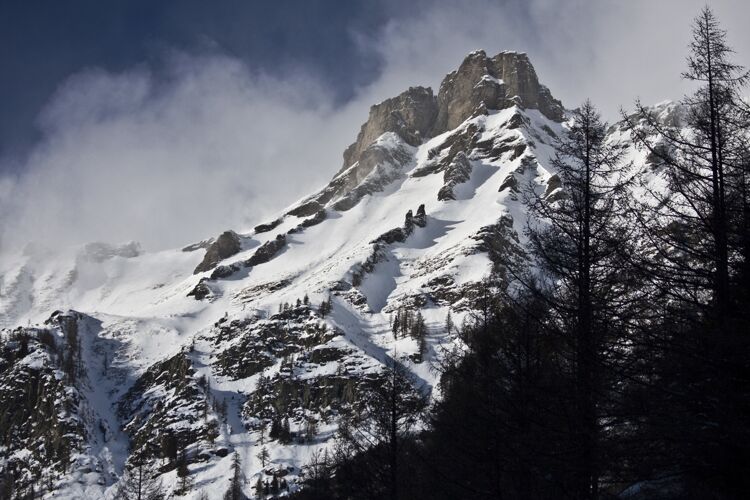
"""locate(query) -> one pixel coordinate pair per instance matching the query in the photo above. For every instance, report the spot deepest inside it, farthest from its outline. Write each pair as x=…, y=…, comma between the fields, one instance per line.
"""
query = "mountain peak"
x=411, y=115
x=479, y=84
x=497, y=82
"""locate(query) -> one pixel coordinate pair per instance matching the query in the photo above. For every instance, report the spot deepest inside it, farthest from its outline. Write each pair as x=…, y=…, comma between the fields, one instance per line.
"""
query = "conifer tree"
x=377, y=435
x=286, y=433
x=418, y=326
x=139, y=483
x=578, y=242
x=325, y=307
x=497, y=431
x=697, y=270
x=168, y=446
x=185, y=482
x=263, y=456
x=274, y=432
x=237, y=481
x=449, y=325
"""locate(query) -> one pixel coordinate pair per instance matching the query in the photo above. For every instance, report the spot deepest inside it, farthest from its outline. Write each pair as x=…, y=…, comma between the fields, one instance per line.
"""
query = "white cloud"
x=607, y=50
x=214, y=145
x=127, y=156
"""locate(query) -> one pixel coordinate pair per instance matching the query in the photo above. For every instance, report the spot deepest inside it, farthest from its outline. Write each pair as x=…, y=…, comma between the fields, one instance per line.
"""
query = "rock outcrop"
x=268, y=226
x=482, y=83
x=167, y=410
x=410, y=115
x=458, y=172
x=377, y=166
x=479, y=84
x=266, y=251
x=226, y=245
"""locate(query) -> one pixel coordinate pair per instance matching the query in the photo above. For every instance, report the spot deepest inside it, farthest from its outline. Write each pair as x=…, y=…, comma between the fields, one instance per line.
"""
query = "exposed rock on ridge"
x=498, y=82
x=377, y=166
x=225, y=246
x=410, y=115
x=479, y=84
x=458, y=172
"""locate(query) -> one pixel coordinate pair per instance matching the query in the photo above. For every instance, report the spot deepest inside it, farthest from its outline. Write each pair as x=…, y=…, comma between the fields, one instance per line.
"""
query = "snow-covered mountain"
x=110, y=354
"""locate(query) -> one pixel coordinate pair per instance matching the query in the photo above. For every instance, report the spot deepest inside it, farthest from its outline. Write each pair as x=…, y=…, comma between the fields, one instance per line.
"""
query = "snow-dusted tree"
x=263, y=456
x=311, y=429
x=237, y=481
x=449, y=324
x=285, y=435
x=223, y=410
x=273, y=432
x=259, y=487
x=139, y=483
x=419, y=333
x=418, y=327
x=396, y=323
x=185, y=481
x=325, y=307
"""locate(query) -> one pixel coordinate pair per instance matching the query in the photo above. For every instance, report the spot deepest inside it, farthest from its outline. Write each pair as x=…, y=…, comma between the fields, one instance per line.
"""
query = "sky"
x=168, y=122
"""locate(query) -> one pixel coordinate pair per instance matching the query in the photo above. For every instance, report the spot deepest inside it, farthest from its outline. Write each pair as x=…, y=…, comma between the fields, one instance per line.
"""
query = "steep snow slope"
x=416, y=218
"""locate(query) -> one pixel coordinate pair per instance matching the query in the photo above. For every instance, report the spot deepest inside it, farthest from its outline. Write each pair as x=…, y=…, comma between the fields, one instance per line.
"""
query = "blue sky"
x=169, y=121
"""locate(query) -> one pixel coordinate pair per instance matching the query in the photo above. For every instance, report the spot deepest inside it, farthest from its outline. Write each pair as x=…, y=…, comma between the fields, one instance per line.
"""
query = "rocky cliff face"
x=226, y=245
x=481, y=83
x=410, y=115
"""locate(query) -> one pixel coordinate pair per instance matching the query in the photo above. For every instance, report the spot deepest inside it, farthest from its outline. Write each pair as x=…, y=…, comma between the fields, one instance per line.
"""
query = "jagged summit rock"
x=479, y=84
x=496, y=82
x=381, y=151
x=410, y=115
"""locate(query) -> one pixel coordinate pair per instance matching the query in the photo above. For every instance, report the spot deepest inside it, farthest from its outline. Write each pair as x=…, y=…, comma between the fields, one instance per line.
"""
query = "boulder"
x=200, y=291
